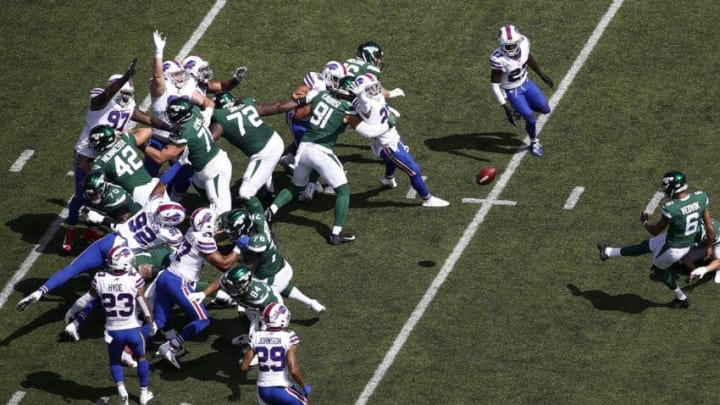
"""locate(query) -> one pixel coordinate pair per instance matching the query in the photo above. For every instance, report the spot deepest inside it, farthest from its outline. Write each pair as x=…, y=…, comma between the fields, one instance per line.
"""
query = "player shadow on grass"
x=630, y=303
x=464, y=144
x=69, y=390
x=32, y=228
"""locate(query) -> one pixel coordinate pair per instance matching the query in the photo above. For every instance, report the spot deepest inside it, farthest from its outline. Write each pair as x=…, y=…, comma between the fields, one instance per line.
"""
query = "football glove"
x=132, y=69
x=197, y=296
x=29, y=300
x=306, y=390
x=698, y=272
x=398, y=92
x=242, y=241
x=91, y=216
x=240, y=73
x=510, y=114
x=547, y=80
x=159, y=44
x=153, y=328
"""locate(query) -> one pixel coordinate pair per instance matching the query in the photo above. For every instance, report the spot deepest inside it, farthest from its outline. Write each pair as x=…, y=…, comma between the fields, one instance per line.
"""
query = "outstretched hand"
x=545, y=78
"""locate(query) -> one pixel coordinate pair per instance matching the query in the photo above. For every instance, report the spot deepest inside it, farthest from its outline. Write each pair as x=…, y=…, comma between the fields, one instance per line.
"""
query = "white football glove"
x=197, y=296
x=240, y=73
x=207, y=115
x=153, y=328
x=159, y=44
x=91, y=216
x=699, y=272
x=397, y=92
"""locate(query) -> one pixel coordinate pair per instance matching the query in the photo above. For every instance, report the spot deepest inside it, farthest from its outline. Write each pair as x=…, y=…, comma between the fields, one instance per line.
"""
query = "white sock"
x=336, y=230
x=299, y=296
x=680, y=294
x=612, y=252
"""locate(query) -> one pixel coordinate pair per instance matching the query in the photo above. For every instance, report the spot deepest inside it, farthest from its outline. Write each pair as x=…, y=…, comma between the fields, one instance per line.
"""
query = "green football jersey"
x=269, y=261
x=158, y=257
x=258, y=296
x=243, y=126
x=326, y=122
x=357, y=67
x=685, y=217
x=122, y=164
x=199, y=142
x=115, y=202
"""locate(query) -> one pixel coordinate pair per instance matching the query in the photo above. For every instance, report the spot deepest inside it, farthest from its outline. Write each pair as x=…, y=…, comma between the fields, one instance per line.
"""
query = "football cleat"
x=342, y=238
x=127, y=359
x=71, y=331
x=91, y=235
x=435, y=202
x=123, y=394
x=168, y=353
x=317, y=307
x=67, y=245
x=388, y=182
x=536, y=149
x=601, y=247
x=679, y=304
x=146, y=396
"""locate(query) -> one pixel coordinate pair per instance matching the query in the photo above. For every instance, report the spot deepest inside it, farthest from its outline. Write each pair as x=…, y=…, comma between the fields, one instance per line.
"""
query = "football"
x=486, y=175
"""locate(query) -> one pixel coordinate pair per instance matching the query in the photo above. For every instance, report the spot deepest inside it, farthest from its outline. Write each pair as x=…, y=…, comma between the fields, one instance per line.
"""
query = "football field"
x=498, y=298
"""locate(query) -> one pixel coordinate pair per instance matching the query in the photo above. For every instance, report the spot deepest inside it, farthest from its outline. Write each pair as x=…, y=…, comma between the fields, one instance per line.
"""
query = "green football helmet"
x=179, y=110
x=371, y=52
x=94, y=186
x=224, y=100
x=101, y=137
x=674, y=182
x=238, y=222
x=236, y=280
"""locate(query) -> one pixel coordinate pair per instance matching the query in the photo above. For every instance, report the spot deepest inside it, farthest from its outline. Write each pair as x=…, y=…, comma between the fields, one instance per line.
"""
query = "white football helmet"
x=333, y=73
x=126, y=92
x=174, y=73
x=509, y=38
x=204, y=220
x=198, y=68
x=121, y=259
x=170, y=213
x=276, y=316
x=367, y=83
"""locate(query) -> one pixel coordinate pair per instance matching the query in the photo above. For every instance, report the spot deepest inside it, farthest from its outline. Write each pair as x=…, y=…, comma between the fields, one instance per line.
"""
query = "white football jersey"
x=113, y=115
x=118, y=294
x=315, y=81
x=374, y=111
x=514, y=68
x=271, y=347
x=142, y=232
x=159, y=104
x=187, y=262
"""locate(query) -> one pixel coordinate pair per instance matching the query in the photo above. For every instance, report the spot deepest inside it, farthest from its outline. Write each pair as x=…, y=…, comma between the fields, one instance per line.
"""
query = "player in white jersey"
x=370, y=105
x=511, y=86
x=154, y=225
x=176, y=284
x=122, y=292
x=199, y=70
x=113, y=106
x=276, y=350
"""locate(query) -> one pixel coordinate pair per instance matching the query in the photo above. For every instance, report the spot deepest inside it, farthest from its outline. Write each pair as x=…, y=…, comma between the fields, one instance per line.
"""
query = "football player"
x=121, y=288
x=682, y=217
x=370, y=105
x=152, y=226
x=200, y=71
x=276, y=348
x=108, y=198
x=113, y=106
x=512, y=87
x=174, y=286
x=240, y=123
x=370, y=58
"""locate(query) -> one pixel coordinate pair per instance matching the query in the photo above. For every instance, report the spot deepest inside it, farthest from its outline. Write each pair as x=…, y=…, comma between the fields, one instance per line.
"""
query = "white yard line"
x=484, y=209
x=16, y=398
x=574, y=197
x=45, y=239
x=22, y=160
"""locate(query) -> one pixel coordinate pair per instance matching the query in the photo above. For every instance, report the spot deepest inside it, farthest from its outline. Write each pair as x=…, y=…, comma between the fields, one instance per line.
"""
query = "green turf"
x=529, y=315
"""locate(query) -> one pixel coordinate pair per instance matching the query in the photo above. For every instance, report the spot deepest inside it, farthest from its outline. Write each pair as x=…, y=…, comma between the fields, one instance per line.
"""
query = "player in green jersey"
x=213, y=169
x=108, y=198
x=682, y=216
x=241, y=124
x=119, y=159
